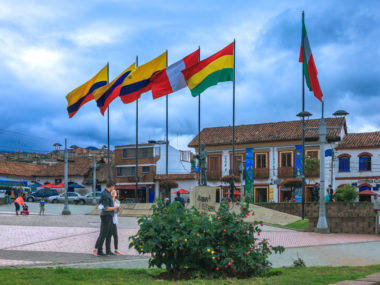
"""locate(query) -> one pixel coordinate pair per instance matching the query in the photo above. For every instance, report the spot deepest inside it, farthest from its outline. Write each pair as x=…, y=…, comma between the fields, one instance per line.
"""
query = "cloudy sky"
x=49, y=48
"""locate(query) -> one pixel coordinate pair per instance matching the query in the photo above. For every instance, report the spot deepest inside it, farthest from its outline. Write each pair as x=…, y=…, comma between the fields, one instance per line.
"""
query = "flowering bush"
x=193, y=244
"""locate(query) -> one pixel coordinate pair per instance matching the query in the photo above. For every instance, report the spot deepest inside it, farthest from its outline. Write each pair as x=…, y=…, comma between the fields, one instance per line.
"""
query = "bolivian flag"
x=84, y=93
x=106, y=94
x=210, y=71
x=139, y=81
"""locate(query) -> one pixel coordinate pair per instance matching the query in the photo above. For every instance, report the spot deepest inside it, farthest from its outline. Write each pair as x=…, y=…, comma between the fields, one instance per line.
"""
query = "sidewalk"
x=373, y=279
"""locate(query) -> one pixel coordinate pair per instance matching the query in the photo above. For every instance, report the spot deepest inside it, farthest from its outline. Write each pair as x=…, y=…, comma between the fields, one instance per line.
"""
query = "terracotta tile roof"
x=190, y=176
x=19, y=169
x=77, y=167
x=360, y=140
x=267, y=132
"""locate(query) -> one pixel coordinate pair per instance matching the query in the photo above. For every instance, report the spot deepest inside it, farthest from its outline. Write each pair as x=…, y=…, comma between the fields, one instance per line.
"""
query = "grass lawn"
x=305, y=275
x=299, y=225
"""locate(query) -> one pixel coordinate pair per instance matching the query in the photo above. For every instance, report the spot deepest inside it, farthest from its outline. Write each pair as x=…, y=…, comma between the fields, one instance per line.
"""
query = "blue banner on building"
x=298, y=161
x=249, y=164
x=298, y=195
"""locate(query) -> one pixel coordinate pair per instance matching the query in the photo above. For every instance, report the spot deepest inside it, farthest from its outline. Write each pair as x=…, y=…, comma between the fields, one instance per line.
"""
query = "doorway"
x=261, y=194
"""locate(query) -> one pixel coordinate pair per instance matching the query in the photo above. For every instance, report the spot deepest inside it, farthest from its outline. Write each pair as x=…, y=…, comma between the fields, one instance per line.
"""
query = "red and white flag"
x=171, y=79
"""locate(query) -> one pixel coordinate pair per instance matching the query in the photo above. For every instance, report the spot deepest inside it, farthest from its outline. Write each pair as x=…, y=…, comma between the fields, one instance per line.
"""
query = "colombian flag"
x=210, y=71
x=84, y=93
x=139, y=81
x=309, y=69
x=106, y=94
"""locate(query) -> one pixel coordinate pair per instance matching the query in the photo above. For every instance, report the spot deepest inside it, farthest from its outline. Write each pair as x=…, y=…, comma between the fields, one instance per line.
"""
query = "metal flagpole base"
x=322, y=226
x=66, y=211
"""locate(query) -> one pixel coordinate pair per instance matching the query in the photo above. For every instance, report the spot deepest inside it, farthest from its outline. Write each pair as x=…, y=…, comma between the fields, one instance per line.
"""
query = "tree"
x=347, y=193
x=228, y=179
x=171, y=184
x=311, y=164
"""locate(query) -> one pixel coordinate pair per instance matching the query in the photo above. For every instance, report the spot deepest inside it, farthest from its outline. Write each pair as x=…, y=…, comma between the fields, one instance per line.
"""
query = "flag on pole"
x=84, y=93
x=106, y=94
x=210, y=71
x=171, y=79
x=139, y=81
x=309, y=68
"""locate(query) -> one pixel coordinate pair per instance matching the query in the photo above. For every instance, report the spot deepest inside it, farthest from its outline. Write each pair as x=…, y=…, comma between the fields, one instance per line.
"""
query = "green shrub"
x=193, y=244
x=347, y=193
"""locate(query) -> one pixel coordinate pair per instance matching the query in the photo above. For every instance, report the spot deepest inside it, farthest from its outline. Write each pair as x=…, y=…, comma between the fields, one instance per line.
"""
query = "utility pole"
x=94, y=181
x=242, y=164
x=66, y=210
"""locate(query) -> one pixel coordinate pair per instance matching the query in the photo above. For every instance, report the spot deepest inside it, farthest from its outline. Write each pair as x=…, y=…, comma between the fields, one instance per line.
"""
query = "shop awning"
x=368, y=192
x=129, y=187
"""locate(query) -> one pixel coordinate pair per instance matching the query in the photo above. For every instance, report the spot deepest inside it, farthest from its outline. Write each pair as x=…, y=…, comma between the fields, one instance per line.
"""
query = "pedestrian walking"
x=116, y=203
x=180, y=199
x=330, y=192
x=316, y=192
x=42, y=206
x=106, y=218
x=8, y=198
x=19, y=201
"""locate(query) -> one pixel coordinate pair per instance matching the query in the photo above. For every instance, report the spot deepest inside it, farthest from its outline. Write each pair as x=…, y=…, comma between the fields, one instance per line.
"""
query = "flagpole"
x=233, y=130
x=108, y=130
x=167, y=141
x=199, y=126
x=137, y=140
x=303, y=135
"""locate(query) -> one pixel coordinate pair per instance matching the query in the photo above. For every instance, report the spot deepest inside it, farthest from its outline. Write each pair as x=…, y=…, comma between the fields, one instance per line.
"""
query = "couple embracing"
x=109, y=206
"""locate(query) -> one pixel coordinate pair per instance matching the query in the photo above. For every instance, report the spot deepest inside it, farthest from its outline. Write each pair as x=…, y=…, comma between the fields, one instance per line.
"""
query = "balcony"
x=312, y=173
x=214, y=175
x=261, y=173
x=285, y=172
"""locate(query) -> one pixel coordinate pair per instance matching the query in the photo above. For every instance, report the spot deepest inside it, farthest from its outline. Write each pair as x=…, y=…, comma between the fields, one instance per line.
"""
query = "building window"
x=145, y=152
x=261, y=160
x=129, y=153
x=365, y=163
x=185, y=155
x=214, y=163
x=126, y=171
x=145, y=169
x=157, y=151
x=344, y=163
x=312, y=153
x=286, y=159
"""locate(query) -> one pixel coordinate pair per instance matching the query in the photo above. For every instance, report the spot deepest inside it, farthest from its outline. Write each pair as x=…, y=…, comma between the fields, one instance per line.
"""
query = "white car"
x=73, y=197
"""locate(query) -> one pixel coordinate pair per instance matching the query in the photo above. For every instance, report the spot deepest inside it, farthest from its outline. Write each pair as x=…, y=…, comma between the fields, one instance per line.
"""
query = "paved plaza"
x=55, y=240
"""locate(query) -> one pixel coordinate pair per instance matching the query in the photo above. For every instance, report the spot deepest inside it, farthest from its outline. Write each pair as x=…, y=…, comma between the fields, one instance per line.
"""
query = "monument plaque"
x=204, y=198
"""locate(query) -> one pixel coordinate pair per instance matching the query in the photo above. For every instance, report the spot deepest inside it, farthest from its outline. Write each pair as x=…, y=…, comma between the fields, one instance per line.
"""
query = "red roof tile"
x=19, y=169
x=190, y=176
x=267, y=132
x=77, y=167
x=360, y=140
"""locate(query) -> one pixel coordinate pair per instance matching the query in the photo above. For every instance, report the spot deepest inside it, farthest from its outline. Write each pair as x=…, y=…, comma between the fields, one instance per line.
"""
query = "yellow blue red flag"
x=139, y=81
x=84, y=93
x=106, y=94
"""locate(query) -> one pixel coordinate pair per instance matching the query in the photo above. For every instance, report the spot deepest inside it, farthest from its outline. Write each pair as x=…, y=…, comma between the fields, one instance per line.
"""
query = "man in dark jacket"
x=106, y=215
x=180, y=199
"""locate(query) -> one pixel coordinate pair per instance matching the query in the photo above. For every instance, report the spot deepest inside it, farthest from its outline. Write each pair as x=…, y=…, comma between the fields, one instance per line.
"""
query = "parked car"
x=37, y=195
x=73, y=197
x=89, y=197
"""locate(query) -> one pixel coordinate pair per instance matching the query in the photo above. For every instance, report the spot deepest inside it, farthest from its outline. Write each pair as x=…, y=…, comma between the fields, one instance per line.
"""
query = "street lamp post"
x=322, y=226
x=303, y=115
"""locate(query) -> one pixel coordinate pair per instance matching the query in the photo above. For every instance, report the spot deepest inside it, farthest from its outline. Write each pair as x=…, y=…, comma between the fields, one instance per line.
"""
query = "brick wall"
x=289, y=208
x=342, y=217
